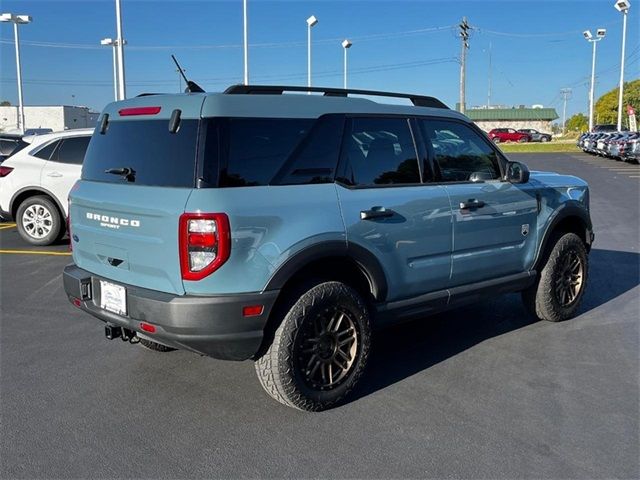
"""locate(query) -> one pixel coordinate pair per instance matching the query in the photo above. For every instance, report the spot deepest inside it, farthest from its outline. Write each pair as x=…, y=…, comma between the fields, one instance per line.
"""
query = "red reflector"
x=202, y=240
x=77, y=302
x=4, y=171
x=127, y=112
x=147, y=327
x=252, y=310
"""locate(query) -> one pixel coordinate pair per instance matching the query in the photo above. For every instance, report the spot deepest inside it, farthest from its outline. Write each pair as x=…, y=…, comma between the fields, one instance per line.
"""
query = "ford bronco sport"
x=282, y=228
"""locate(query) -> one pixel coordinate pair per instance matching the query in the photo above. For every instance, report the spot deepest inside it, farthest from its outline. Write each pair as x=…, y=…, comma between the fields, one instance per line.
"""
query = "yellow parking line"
x=36, y=252
x=4, y=226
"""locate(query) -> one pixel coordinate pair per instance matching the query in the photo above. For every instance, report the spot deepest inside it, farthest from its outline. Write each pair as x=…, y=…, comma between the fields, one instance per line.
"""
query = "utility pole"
x=464, y=36
x=566, y=95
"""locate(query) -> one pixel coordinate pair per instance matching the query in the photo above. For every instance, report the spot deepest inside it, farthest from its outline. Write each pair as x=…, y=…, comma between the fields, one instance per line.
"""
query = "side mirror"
x=517, y=173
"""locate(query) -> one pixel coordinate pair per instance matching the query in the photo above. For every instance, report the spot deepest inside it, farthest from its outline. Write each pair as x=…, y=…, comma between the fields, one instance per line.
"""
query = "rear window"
x=157, y=157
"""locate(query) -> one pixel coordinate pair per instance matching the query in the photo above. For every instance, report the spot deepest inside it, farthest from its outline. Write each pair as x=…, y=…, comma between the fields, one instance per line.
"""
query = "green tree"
x=5, y=103
x=578, y=123
x=606, y=109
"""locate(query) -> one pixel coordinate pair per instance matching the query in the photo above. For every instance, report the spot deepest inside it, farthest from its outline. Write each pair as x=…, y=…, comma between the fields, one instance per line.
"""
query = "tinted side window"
x=459, y=151
x=256, y=148
x=316, y=158
x=7, y=146
x=72, y=150
x=378, y=151
x=45, y=153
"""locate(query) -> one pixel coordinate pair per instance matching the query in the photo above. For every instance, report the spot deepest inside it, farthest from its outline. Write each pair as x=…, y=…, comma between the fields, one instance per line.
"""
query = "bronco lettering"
x=112, y=222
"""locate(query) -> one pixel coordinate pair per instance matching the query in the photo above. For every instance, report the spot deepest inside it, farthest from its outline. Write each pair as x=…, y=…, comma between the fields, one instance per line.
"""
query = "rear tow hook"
x=126, y=335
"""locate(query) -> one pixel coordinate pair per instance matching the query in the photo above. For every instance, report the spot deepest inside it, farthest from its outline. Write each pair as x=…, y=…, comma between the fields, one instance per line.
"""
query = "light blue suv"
x=265, y=224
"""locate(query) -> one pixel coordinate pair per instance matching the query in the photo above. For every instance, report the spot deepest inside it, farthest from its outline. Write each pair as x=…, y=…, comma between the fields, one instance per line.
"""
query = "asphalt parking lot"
x=480, y=392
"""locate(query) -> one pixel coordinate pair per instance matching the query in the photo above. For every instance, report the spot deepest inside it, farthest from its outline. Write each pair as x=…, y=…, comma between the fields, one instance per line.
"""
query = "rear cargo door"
x=136, y=180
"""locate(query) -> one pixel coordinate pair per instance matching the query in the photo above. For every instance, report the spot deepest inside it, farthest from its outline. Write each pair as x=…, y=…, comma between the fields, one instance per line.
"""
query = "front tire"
x=545, y=139
x=39, y=221
x=557, y=293
x=320, y=349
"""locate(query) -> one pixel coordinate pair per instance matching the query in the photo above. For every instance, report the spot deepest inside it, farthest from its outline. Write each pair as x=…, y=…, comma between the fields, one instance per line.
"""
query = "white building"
x=55, y=117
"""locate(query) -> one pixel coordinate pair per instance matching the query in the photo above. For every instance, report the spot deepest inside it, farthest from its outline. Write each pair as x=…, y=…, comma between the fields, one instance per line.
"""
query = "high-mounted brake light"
x=204, y=242
x=4, y=171
x=127, y=112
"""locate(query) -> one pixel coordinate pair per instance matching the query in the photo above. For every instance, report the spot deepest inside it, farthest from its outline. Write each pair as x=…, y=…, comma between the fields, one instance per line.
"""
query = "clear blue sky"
x=537, y=47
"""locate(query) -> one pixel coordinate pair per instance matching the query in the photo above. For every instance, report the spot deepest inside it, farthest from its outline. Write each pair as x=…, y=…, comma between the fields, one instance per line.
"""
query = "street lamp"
x=246, y=44
x=346, y=44
x=122, y=90
x=600, y=34
x=109, y=42
x=311, y=22
x=622, y=6
x=17, y=20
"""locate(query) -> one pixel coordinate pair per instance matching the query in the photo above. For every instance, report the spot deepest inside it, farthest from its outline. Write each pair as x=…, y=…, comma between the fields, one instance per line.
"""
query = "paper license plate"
x=113, y=298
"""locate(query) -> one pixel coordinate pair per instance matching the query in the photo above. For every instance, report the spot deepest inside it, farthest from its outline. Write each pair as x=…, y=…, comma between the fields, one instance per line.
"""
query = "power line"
x=359, y=39
x=326, y=73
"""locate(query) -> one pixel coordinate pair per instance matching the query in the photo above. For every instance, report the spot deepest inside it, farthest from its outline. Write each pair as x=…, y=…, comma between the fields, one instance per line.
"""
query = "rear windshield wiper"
x=128, y=173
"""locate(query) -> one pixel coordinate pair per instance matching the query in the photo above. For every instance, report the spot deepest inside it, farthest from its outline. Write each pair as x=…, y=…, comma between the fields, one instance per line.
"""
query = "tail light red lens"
x=4, y=171
x=205, y=243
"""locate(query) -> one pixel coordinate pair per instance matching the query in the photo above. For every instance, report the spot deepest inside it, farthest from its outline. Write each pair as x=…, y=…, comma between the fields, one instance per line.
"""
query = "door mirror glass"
x=517, y=173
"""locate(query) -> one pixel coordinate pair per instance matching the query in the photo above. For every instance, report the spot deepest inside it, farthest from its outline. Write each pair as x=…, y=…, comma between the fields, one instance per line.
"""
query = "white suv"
x=35, y=183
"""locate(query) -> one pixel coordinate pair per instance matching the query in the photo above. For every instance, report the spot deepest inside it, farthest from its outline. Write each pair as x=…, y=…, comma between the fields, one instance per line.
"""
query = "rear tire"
x=156, y=347
x=320, y=349
x=39, y=221
x=560, y=286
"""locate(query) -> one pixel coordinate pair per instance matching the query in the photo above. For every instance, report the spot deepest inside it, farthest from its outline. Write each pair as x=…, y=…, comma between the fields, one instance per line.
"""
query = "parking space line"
x=5, y=226
x=35, y=252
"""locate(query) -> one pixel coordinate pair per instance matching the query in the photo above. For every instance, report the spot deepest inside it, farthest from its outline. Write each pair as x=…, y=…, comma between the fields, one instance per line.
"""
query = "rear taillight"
x=4, y=171
x=205, y=243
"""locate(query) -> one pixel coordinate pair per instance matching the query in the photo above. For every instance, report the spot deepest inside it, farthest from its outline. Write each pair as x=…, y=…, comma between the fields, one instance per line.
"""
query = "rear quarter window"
x=253, y=150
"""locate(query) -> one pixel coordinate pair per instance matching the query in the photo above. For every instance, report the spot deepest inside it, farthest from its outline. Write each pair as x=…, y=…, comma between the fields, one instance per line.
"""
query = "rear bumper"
x=212, y=326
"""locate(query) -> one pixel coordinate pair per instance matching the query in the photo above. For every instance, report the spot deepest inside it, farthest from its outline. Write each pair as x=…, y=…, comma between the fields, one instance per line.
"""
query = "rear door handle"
x=376, y=212
x=54, y=174
x=471, y=203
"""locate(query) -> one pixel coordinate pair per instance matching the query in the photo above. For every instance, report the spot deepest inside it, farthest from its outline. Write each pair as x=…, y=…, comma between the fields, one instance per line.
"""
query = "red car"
x=499, y=135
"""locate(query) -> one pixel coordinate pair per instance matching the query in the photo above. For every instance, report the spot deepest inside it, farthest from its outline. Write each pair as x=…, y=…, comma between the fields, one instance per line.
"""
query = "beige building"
x=55, y=117
x=537, y=118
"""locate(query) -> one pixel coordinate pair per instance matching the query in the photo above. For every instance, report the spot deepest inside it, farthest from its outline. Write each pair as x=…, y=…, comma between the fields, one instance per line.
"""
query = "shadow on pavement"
x=404, y=350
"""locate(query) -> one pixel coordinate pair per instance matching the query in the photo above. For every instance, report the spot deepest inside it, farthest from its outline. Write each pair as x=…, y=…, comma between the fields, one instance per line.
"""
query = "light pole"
x=622, y=6
x=600, y=34
x=246, y=42
x=311, y=22
x=122, y=90
x=17, y=20
x=109, y=42
x=346, y=45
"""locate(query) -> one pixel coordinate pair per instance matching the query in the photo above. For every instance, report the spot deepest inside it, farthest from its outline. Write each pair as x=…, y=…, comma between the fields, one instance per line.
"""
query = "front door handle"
x=471, y=203
x=376, y=212
x=54, y=174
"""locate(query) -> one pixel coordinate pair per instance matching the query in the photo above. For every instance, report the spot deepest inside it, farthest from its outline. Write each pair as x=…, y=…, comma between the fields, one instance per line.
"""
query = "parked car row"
x=35, y=181
x=617, y=145
x=500, y=135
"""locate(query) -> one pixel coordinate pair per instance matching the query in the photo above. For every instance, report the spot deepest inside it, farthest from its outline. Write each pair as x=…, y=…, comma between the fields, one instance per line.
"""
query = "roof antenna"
x=192, y=87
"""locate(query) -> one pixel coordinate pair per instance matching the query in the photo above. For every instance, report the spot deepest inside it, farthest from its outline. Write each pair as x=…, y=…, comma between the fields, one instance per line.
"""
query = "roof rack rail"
x=417, y=100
